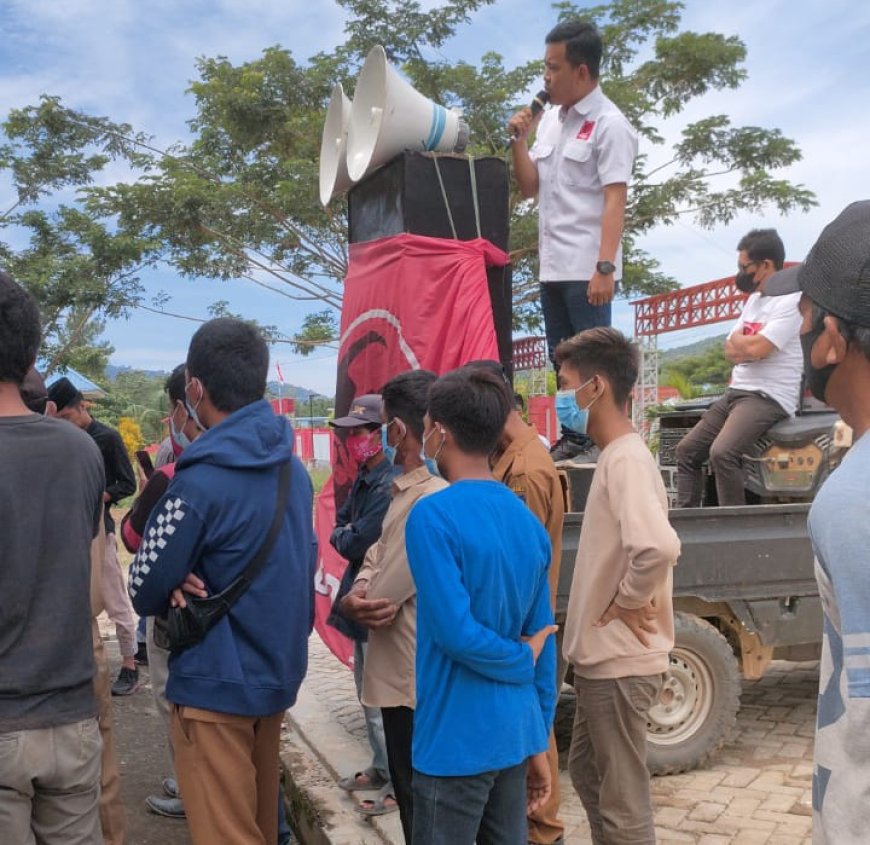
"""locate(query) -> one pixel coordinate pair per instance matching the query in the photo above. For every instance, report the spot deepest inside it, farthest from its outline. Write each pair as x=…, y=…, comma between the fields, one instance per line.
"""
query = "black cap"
x=63, y=393
x=364, y=410
x=836, y=273
x=783, y=281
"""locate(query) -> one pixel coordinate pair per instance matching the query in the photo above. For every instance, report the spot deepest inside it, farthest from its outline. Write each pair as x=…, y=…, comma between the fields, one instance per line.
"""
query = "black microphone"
x=537, y=106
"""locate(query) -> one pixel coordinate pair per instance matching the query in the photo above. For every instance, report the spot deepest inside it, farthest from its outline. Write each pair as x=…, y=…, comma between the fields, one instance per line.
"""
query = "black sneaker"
x=127, y=683
x=141, y=655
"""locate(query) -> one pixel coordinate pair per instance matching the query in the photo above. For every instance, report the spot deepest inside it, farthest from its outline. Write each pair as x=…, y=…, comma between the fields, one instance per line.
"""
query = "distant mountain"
x=112, y=371
x=300, y=394
x=273, y=388
x=669, y=356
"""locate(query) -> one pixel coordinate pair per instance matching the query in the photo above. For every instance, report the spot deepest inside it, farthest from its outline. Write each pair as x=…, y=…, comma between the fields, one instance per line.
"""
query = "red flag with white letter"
x=410, y=302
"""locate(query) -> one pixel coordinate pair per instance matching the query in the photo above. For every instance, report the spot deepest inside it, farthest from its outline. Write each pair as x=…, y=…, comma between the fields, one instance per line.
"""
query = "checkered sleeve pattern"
x=160, y=527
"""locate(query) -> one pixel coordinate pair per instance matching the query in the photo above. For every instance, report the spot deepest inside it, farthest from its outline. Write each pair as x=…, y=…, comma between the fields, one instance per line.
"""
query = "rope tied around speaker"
x=474, y=196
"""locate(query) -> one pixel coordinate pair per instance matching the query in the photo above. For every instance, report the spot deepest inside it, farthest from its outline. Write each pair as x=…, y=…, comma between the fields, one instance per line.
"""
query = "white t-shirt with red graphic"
x=779, y=374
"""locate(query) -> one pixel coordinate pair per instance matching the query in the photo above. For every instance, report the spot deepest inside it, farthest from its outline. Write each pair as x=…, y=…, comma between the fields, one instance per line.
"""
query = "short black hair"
x=231, y=359
x=33, y=391
x=174, y=386
x=474, y=404
x=406, y=396
x=20, y=332
x=763, y=245
x=491, y=366
x=582, y=43
x=602, y=351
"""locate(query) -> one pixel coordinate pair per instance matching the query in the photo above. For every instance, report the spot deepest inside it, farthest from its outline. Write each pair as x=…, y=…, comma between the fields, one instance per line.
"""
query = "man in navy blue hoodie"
x=231, y=690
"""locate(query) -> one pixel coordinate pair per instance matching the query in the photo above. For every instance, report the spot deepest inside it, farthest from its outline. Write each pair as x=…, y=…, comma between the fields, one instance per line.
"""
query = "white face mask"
x=191, y=409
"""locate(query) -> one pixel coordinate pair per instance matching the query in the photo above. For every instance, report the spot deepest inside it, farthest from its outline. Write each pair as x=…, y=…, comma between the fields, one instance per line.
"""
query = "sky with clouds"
x=808, y=64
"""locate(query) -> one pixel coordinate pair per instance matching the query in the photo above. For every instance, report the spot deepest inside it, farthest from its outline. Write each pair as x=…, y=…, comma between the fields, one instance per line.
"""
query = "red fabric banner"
x=410, y=302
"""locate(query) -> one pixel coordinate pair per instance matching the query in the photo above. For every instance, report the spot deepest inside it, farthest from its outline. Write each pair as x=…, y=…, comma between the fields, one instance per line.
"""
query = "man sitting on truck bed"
x=765, y=382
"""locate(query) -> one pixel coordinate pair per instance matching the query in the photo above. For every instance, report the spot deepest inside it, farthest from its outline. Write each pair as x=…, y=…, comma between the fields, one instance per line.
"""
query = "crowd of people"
x=452, y=534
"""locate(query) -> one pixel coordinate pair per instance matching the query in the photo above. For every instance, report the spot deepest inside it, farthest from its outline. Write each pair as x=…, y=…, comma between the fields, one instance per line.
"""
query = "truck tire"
x=699, y=701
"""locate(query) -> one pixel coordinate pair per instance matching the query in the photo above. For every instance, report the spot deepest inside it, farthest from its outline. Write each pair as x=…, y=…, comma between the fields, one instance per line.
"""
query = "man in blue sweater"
x=230, y=691
x=485, y=659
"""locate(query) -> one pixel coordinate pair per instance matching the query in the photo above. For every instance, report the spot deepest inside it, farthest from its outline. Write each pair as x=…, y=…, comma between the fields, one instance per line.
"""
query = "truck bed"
x=757, y=559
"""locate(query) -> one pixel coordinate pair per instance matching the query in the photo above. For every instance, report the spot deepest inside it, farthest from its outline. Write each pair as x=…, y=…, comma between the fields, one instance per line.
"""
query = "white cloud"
x=130, y=60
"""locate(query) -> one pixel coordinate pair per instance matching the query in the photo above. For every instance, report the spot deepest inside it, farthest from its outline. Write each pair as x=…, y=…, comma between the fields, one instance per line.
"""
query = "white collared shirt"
x=577, y=152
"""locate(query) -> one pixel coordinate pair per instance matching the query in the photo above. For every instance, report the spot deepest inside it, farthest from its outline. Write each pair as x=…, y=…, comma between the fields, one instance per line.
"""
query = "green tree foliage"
x=137, y=396
x=706, y=371
x=318, y=328
x=80, y=268
x=240, y=199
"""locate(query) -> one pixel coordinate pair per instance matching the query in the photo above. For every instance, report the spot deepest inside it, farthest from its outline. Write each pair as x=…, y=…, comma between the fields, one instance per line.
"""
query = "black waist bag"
x=184, y=627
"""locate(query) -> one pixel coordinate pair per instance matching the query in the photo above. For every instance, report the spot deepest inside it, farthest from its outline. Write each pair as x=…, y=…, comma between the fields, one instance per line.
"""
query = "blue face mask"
x=570, y=414
x=431, y=463
x=389, y=451
x=178, y=435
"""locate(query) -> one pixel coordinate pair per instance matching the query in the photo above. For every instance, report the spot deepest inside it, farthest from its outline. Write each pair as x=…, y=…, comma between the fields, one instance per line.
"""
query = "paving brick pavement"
x=756, y=790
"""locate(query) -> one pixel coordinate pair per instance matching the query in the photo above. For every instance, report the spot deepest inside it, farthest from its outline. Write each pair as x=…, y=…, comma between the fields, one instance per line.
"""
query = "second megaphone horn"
x=388, y=116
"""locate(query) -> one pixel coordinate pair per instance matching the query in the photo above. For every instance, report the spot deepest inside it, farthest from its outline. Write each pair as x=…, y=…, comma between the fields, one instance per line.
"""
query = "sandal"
x=368, y=779
x=383, y=804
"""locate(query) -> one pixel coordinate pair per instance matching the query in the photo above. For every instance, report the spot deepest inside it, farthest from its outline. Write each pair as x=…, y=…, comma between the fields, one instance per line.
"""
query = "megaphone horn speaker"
x=333, y=146
x=389, y=115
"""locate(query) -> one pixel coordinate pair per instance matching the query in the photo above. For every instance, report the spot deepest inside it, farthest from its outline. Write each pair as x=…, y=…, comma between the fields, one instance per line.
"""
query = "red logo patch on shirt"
x=585, y=132
x=752, y=328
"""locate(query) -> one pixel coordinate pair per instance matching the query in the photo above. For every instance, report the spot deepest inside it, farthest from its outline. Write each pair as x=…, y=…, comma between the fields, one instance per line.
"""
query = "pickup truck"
x=744, y=588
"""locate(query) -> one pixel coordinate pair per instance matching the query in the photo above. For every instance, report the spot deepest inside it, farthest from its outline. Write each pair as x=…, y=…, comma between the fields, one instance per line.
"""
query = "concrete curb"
x=316, y=752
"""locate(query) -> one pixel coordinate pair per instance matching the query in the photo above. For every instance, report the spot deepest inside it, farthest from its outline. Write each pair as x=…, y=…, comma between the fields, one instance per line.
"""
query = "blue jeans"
x=567, y=311
x=374, y=720
x=489, y=808
x=285, y=834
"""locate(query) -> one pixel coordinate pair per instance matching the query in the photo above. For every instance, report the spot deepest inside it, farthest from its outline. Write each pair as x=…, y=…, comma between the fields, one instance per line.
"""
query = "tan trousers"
x=545, y=826
x=227, y=768
x=111, y=805
x=50, y=785
x=607, y=761
x=117, y=600
x=158, y=670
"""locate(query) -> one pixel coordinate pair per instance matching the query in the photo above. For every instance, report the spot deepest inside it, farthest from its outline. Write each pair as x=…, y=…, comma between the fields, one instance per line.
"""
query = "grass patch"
x=318, y=476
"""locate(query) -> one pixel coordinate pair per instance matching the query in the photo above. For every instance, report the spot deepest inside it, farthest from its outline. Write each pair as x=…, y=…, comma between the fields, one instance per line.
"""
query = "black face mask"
x=816, y=379
x=746, y=282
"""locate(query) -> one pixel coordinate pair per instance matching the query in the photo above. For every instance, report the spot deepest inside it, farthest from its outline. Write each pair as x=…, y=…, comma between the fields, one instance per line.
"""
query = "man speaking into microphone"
x=578, y=168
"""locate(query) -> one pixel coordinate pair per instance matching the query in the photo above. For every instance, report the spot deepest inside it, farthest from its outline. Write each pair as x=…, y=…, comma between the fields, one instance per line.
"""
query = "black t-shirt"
x=51, y=491
x=120, y=479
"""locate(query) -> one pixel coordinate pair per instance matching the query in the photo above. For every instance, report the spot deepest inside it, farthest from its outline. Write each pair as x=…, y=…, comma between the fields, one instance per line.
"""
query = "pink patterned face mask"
x=363, y=446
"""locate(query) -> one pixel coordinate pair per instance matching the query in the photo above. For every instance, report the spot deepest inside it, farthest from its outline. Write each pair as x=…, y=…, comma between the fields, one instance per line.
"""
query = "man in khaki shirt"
x=383, y=597
x=524, y=464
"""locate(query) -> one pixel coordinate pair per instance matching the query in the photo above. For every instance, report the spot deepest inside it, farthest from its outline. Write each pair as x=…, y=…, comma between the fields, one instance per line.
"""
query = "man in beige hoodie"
x=620, y=626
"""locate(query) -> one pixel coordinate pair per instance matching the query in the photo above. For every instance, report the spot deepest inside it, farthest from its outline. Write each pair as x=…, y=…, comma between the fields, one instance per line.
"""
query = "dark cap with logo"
x=836, y=273
x=364, y=410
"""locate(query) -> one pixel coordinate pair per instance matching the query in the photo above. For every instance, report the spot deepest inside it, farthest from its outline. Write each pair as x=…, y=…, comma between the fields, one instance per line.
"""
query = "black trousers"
x=399, y=731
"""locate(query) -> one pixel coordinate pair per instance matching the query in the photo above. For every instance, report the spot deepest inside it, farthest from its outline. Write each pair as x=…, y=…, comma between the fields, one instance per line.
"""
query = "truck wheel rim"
x=684, y=702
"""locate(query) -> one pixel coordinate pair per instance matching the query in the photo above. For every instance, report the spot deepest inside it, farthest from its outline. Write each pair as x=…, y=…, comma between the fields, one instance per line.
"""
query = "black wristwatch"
x=606, y=268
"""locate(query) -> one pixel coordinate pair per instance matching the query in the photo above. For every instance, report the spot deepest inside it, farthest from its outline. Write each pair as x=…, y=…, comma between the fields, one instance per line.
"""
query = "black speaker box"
x=405, y=196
